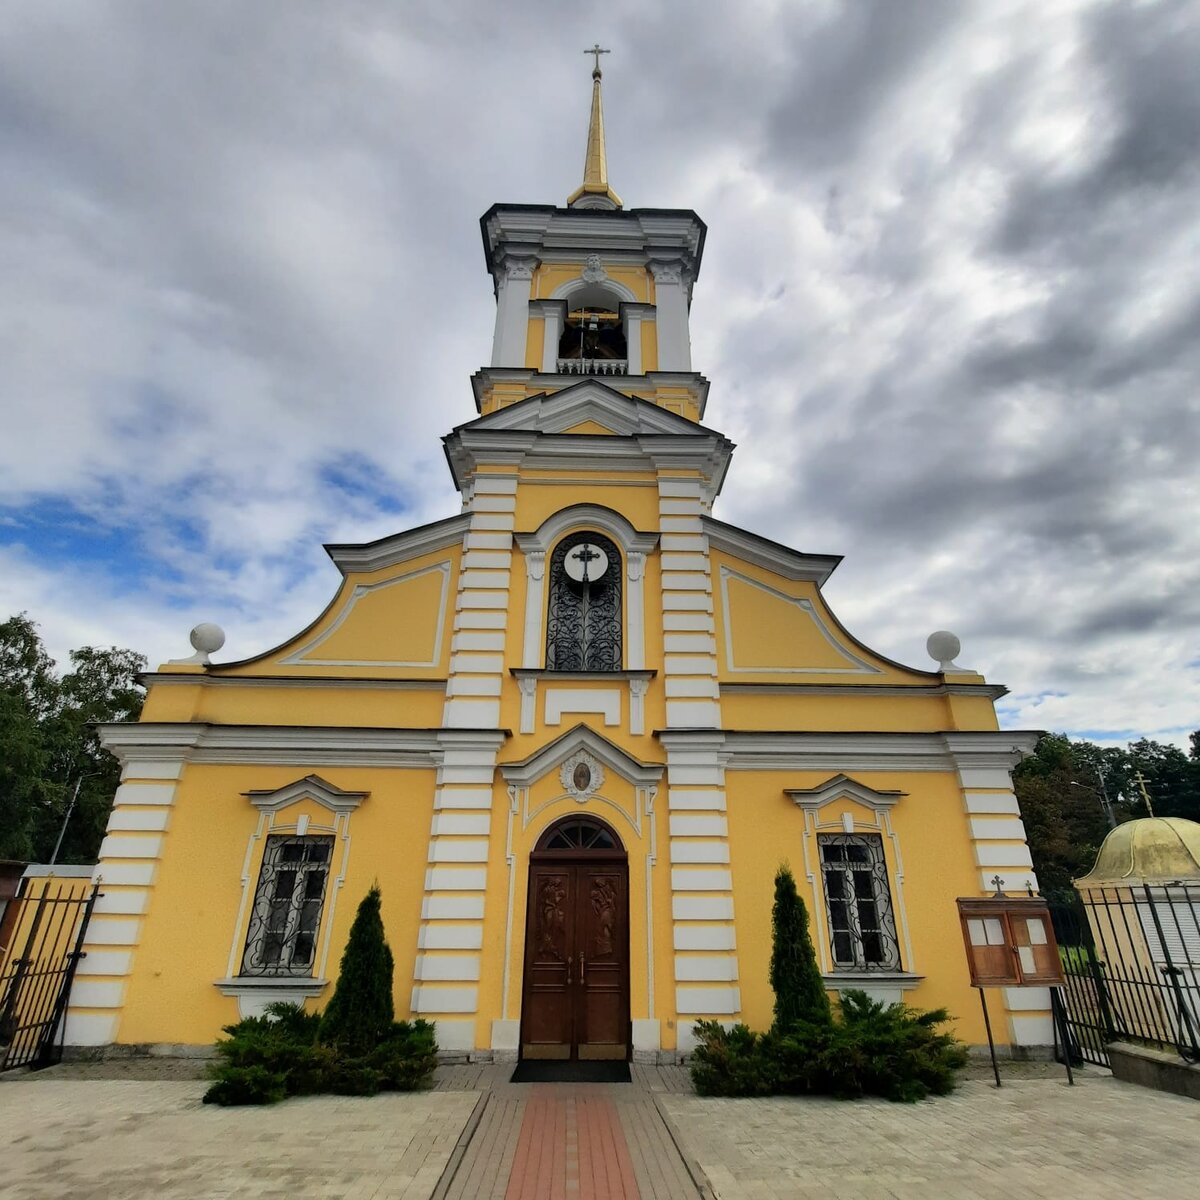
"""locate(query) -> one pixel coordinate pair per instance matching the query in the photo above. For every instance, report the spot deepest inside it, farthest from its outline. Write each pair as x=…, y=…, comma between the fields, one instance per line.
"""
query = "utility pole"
x=70, y=810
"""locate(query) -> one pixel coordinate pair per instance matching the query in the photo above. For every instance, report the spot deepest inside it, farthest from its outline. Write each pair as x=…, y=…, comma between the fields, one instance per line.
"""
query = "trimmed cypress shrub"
x=800, y=994
x=360, y=1014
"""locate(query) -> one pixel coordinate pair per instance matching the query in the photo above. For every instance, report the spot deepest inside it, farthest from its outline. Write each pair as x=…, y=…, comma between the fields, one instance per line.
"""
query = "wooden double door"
x=576, y=994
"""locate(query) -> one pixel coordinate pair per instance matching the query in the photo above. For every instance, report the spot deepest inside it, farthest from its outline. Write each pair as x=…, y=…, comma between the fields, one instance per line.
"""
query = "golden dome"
x=1152, y=849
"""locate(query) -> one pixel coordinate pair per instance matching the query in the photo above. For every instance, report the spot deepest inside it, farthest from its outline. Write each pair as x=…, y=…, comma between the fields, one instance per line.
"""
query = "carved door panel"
x=576, y=994
x=548, y=1018
x=602, y=940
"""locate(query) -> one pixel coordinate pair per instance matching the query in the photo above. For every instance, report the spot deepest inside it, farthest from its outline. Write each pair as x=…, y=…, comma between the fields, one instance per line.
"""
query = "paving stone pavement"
x=133, y=1140
x=1032, y=1140
x=150, y=1138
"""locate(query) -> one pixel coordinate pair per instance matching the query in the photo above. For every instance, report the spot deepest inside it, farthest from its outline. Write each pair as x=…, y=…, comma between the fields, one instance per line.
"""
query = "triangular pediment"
x=311, y=787
x=551, y=756
x=588, y=403
x=842, y=787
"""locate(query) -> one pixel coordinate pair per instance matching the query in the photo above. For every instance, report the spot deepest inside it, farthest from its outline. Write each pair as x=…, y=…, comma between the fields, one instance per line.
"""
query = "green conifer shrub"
x=353, y=1049
x=360, y=1014
x=800, y=994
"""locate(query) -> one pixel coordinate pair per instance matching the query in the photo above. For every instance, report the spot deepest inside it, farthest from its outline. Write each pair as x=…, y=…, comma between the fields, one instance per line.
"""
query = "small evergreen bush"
x=800, y=994
x=875, y=1049
x=354, y=1048
x=359, y=1016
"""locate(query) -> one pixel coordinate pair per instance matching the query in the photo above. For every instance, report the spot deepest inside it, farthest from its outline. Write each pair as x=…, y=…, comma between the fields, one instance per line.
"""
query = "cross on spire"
x=595, y=52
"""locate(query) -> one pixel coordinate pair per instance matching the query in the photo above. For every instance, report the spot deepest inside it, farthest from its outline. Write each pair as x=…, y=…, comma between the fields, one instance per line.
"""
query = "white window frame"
x=873, y=868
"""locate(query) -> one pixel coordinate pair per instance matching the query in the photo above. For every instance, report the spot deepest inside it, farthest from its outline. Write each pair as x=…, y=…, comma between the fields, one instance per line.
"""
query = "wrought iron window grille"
x=858, y=903
x=286, y=916
x=583, y=627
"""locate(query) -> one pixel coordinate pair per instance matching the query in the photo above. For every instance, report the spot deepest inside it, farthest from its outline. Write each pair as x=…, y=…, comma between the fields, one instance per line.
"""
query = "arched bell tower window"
x=583, y=629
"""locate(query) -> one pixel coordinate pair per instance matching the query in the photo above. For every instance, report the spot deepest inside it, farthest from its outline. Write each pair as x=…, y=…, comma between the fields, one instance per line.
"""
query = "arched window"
x=583, y=630
x=579, y=833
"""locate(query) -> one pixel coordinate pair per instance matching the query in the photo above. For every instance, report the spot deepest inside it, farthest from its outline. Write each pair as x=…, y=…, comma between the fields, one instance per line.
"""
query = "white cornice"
x=753, y=750
x=399, y=547
x=638, y=387
x=159, y=678
x=303, y=746
x=762, y=552
x=543, y=230
x=578, y=676
x=989, y=691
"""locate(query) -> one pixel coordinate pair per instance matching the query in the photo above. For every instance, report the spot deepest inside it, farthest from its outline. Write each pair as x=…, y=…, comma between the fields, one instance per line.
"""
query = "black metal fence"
x=1131, y=960
x=43, y=928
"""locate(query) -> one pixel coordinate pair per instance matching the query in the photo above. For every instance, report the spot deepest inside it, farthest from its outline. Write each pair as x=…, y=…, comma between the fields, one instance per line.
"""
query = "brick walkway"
x=71, y=1133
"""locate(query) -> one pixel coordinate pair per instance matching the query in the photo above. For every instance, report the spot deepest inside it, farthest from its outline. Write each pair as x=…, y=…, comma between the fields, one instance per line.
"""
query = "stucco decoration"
x=581, y=775
x=593, y=270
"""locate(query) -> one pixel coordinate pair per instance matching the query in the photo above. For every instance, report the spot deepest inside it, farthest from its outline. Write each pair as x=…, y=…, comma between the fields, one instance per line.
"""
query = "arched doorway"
x=575, y=1001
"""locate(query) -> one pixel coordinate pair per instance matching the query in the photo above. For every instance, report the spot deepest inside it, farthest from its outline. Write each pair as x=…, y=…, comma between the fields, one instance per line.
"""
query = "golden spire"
x=594, y=192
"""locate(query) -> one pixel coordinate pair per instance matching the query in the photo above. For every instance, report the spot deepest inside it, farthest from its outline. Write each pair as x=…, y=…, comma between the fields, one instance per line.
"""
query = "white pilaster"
x=127, y=868
x=512, y=312
x=446, y=971
x=1001, y=852
x=674, y=337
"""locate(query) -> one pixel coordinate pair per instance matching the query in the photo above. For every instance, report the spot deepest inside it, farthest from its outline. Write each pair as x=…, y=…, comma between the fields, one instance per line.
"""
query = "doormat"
x=544, y=1070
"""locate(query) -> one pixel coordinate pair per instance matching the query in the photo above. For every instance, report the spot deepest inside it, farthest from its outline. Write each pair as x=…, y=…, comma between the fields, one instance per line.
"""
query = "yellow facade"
x=423, y=731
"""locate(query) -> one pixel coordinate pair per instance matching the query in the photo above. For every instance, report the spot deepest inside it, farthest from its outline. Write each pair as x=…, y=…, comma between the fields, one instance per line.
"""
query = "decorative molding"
x=860, y=665
x=398, y=547
x=561, y=701
x=842, y=787
x=311, y=787
x=282, y=745
x=759, y=750
x=301, y=656
x=667, y=272
x=527, y=771
x=987, y=691
x=535, y=564
x=517, y=267
x=350, y=682
x=772, y=556
x=581, y=775
x=255, y=993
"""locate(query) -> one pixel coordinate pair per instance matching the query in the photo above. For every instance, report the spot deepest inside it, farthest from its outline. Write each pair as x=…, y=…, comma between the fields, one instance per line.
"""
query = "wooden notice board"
x=1010, y=942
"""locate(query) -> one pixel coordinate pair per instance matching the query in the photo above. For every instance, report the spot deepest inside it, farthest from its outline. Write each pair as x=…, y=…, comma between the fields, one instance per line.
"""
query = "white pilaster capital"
x=639, y=687
x=535, y=564
x=528, y=685
x=519, y=268
x=636, y=565
x=667, y=271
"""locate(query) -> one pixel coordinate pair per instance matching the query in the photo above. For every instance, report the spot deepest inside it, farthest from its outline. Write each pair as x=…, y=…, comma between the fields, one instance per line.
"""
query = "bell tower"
x=592, y=289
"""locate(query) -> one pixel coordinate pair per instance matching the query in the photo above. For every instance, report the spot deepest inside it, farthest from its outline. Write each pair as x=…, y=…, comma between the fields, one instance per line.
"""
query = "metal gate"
x=43, y=930
x=1131, y=960
x=1089, y=1017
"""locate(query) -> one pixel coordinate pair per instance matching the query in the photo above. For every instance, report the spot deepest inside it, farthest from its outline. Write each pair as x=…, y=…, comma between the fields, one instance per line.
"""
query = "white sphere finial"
x=944, y=647
x=207, y=637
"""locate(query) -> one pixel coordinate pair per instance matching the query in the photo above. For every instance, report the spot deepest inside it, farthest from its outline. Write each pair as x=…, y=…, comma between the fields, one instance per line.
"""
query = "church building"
x=571, y=731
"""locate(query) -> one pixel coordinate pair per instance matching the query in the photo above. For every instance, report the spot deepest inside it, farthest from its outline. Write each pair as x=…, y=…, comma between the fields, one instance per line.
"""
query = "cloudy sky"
x=950, y=304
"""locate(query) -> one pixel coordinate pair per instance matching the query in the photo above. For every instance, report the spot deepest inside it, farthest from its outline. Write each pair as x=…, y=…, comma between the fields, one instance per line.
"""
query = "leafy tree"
x=1064, y=822
x=800, y=994
x=360, y=1014
x=47, y=744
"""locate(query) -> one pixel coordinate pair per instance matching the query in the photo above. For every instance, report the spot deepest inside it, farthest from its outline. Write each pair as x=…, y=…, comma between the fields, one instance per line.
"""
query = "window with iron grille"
x=583, y=627
x=862, y=930
x=286, y=916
